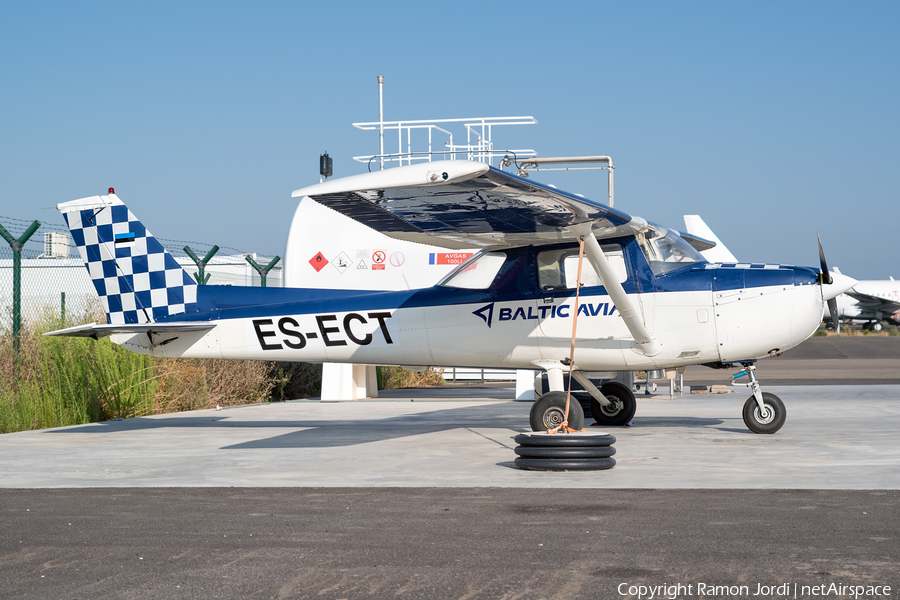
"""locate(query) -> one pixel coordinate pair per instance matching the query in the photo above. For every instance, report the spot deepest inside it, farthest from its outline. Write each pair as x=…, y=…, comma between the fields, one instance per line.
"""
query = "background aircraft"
x=717, y=254
x=871, y=302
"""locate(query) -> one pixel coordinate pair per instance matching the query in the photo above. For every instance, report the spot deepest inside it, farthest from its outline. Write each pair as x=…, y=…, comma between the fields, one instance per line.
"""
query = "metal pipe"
x=550, y=160
x=610, y=181
x=574, y=160
x=381, y=118
x=475, y=121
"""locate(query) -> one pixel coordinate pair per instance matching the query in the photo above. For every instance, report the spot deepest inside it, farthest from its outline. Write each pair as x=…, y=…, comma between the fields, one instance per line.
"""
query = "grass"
x=394, y=377
x=857, y=331
x=58, y=381
x=66, y=381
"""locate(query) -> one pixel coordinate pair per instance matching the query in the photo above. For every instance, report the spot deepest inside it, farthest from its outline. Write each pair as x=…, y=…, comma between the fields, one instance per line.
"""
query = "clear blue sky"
x=770, y=119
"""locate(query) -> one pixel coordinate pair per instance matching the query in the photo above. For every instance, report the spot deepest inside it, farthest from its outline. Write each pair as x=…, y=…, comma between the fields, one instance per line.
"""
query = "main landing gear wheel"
x=622, y=410
x=549, y=412
x=768, y=422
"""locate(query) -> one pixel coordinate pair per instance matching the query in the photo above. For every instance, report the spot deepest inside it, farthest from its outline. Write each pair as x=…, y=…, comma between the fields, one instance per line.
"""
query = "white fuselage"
x=693, y=327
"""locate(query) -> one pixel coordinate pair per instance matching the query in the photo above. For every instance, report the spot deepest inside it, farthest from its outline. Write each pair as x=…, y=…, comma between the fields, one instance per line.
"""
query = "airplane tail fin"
x=719, y=254
x=137, y=280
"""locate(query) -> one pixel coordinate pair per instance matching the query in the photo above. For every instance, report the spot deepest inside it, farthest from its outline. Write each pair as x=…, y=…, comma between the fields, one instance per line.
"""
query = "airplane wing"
x=95, y=331
x=463, y=204
x=874, y=303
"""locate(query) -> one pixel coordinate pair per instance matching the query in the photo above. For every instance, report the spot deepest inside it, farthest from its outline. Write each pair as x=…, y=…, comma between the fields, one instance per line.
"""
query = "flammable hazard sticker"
x=318, y=261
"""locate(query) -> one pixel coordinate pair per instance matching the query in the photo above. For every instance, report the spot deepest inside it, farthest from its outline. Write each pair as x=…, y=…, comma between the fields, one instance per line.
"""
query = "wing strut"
x=644, y=341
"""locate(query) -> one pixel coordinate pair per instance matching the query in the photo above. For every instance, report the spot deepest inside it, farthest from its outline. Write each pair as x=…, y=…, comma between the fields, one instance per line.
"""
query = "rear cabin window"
x=558, y=269
x=477, y=273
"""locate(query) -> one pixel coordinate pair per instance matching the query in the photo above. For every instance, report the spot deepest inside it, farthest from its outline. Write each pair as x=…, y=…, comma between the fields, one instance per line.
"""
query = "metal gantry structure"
x=438, y=138
x=434, y=140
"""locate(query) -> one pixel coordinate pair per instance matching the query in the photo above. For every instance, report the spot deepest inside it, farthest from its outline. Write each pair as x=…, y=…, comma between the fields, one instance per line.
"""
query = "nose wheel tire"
x=623, y=405
x=769, y=421
x=549, y=412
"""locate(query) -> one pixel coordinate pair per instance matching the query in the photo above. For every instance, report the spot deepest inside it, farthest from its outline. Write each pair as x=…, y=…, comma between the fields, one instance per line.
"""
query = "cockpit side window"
x=477, y=273
x=558, y=268
x=666, y=251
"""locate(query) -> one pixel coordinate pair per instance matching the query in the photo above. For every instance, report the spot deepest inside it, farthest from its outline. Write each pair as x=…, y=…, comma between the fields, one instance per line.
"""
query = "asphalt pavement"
x=856, y=360
x=428, y=543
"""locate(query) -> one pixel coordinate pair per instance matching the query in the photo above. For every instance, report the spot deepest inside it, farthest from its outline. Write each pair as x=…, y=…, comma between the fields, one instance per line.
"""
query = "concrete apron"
x=836, y=437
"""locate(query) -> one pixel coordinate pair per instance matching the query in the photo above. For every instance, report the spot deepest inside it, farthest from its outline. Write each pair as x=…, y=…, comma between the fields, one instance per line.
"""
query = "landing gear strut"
x=763, y=412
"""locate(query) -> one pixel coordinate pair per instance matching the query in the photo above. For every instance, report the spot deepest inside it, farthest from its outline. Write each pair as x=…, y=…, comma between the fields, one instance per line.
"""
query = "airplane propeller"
x=825, y=278
x=833, y=309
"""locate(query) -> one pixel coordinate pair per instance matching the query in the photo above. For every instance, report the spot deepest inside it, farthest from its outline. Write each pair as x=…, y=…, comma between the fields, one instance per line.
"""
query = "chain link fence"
x=55, y=282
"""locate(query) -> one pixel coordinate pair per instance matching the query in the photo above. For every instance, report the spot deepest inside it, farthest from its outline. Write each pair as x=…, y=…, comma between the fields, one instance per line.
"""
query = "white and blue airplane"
x=641, y=298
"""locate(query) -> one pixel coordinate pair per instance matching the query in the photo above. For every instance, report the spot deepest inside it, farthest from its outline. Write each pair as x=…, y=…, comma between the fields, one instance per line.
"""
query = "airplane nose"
x=840, y=283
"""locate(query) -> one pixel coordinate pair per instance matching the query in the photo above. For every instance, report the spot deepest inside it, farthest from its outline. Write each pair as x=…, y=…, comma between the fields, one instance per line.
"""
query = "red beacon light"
x=112, y=191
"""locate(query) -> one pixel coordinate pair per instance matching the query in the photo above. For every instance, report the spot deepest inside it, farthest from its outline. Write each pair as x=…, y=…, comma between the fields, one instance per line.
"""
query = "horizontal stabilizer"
x=95, y=331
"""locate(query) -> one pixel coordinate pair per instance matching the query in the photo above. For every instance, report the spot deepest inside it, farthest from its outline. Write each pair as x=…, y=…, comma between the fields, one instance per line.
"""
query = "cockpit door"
x=597, y=317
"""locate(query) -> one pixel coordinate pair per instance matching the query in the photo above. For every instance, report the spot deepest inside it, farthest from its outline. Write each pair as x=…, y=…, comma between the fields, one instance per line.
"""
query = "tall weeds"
x=55, y=381
x=395, y=377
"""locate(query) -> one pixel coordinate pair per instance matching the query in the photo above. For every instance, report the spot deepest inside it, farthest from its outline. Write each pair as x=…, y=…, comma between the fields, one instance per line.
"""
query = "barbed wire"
x=175, y=247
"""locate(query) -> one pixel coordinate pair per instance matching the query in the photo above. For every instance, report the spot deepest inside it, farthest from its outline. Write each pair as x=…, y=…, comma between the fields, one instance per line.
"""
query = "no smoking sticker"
x=378, y=257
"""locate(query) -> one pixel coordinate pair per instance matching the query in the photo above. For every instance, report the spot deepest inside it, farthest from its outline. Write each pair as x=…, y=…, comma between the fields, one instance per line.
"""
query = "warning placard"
x=378, y=257
x=448, y=258
x=318, y=262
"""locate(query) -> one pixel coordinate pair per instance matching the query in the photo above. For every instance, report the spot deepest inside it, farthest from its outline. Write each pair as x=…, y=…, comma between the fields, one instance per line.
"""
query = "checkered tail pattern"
x=137, y=280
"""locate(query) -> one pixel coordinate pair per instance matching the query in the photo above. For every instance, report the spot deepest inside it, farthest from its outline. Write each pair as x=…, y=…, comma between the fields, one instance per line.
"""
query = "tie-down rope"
x=564, y=426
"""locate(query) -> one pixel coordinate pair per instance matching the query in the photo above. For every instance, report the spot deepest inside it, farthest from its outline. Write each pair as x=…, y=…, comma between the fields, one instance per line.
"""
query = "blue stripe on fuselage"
x=516, y=281
x=232, y=302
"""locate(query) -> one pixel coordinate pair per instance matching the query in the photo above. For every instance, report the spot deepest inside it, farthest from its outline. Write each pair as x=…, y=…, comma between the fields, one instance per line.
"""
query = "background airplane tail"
x=137, y=280
x=697, y=226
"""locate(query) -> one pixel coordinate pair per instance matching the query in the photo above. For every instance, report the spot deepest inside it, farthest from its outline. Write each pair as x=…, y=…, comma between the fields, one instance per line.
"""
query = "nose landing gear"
x=763, y=412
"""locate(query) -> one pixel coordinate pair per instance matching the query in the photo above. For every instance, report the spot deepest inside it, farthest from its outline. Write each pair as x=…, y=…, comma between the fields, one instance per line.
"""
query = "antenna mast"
x=381, y=119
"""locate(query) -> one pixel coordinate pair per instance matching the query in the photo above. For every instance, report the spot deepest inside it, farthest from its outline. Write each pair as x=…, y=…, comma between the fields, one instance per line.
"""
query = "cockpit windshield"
x=477, y=273
x=666, y=251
